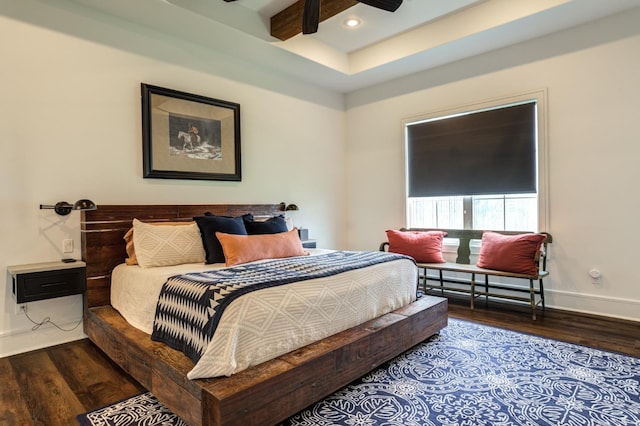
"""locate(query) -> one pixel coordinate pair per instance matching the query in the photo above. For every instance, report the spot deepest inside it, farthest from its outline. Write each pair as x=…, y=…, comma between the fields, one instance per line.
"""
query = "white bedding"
x=267, y=323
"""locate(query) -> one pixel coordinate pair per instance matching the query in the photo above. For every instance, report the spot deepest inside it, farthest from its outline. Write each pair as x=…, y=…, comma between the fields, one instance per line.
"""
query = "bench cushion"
x=423, y=246
x=512, y=253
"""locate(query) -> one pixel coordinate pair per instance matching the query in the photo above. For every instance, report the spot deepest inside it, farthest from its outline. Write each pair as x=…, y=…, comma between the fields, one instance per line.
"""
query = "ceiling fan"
x=311, y=12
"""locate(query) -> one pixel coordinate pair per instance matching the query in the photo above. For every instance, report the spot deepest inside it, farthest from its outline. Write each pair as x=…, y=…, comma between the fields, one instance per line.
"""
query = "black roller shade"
x=480, y=153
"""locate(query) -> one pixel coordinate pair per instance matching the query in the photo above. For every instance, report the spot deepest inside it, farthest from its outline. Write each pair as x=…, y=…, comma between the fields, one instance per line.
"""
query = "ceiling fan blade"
x=388, y=5
x=310, y=16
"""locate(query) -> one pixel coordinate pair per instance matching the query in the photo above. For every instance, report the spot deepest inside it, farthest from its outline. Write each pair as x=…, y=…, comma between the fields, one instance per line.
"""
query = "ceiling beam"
x=288, y=22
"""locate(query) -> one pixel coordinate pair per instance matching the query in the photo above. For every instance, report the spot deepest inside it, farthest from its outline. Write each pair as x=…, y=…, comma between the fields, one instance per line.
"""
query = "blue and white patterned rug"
x=469, y=375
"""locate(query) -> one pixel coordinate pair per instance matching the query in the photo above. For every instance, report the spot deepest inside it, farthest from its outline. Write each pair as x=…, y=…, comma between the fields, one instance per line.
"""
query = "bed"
x=262, y=394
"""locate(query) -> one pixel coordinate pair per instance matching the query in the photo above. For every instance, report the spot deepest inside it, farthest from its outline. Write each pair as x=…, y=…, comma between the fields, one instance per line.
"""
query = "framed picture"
x=186, y=136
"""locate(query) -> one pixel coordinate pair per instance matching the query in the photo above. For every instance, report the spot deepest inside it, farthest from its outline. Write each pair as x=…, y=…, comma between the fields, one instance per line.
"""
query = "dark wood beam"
x=288, y=22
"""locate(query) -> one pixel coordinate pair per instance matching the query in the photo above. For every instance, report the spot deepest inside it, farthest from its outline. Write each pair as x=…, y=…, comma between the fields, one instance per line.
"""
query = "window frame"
x=540, y=97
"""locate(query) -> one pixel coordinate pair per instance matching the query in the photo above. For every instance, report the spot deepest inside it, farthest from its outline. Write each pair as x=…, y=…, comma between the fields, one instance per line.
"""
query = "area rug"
x=139, y=410
x=469, y=375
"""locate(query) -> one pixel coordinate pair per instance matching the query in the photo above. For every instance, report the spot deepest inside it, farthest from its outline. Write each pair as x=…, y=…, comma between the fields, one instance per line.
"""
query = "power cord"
x=47, y=320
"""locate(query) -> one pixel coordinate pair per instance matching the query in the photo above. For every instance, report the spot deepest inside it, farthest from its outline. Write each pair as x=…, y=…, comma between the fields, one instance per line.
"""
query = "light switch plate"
x=67, y=246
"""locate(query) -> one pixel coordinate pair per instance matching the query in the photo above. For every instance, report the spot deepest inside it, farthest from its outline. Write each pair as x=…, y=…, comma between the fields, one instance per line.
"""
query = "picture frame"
x=188, y=136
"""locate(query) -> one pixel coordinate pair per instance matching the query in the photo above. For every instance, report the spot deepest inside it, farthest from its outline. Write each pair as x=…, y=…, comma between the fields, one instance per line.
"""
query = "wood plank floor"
x=51, y=386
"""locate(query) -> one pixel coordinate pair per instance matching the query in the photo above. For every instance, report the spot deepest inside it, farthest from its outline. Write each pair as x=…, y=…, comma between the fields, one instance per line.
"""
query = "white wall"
x=70, y=116
x=591, y=74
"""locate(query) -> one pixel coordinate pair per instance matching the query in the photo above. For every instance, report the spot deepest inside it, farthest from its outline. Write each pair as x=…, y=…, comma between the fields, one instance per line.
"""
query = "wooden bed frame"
x=265, y=394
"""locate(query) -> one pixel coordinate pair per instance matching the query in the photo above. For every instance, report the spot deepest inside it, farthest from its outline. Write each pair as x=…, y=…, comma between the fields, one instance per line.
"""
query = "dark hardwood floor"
x=605, y=333
x=52, y=385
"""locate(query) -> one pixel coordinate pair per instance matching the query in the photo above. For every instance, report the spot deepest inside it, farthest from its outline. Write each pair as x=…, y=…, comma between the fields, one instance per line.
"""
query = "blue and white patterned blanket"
x=191, y=305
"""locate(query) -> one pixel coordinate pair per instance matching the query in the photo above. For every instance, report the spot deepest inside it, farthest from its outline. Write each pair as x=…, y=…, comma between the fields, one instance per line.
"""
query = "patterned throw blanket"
x=191, y=305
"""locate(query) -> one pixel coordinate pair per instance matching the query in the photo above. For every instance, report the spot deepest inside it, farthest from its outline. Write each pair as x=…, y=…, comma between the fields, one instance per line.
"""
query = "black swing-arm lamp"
x=63, y=208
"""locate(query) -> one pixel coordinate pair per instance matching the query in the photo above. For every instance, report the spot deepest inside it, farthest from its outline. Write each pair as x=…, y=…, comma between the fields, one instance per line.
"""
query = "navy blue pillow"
x=246, y=216
x=273, y=225
x=209, y=225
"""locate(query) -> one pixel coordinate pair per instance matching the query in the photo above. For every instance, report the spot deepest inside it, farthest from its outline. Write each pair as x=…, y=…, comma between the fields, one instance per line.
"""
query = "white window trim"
x=540, y=96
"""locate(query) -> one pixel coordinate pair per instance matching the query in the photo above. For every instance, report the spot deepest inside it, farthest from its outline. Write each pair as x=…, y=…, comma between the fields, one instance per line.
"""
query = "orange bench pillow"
x=510, y=253
x=423, y=246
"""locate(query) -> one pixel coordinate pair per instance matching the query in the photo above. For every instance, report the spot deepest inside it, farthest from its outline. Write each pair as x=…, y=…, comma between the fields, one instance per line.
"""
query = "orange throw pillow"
x=423, y=246
x=247, y=248
x=510, y=253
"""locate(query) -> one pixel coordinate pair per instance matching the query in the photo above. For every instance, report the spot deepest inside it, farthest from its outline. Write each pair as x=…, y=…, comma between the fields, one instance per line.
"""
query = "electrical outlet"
x=21, y=308
x=67, y=246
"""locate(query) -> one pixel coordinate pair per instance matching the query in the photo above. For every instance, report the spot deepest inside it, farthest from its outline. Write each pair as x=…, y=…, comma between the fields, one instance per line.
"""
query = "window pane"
x=421, y=213
x=521, y=213
x=496, y=212
x=435, y=212
x=450, y=213
x=488, y=213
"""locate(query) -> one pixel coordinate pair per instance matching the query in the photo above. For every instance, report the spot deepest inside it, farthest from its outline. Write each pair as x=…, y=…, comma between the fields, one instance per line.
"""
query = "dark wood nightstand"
x=39, y=281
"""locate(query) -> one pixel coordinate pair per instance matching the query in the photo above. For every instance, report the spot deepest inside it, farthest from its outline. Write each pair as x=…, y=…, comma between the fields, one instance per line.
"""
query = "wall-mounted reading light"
x=63, y=208
x=291, y=208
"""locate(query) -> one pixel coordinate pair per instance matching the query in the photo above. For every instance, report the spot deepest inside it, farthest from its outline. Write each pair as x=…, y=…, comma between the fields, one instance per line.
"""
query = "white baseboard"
x=614, y=307
x=20, y=341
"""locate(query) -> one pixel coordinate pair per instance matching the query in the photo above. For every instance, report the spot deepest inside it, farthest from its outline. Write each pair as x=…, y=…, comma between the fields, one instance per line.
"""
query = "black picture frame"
x=187, y=136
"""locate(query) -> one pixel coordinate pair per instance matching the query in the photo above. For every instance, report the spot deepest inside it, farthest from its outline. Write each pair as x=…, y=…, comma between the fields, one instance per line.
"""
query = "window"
x=481, y=167
x=495, y=212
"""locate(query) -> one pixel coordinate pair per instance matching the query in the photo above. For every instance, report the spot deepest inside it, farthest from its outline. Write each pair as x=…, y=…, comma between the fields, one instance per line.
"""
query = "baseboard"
x=21, y=341
x=593, y=304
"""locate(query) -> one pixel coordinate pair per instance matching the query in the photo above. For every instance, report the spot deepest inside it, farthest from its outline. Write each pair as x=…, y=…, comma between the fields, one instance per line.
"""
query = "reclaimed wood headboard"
x=102, y=231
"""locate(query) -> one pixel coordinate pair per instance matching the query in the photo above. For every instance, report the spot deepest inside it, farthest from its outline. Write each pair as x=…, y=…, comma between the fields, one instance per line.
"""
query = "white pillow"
x=167, y=245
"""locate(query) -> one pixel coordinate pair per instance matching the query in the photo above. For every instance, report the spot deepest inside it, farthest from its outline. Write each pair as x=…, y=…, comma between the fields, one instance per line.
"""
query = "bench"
x=473, y=287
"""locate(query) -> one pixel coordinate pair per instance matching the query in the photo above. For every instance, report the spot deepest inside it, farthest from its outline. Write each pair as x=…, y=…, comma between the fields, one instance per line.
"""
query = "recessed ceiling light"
x=352, y=22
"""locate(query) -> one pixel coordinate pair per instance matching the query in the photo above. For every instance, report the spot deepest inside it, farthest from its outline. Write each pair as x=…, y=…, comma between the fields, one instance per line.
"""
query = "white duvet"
x=264, y=324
